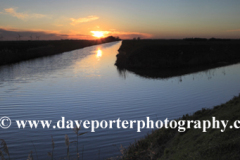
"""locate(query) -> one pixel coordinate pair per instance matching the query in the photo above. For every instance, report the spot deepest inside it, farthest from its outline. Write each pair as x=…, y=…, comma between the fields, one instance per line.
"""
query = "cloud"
x=11, y=34
x=82, y=20
x=22, y=16
x=129, y=35
x=124, y=35
x=236, y=30
x=103, y=32
x=73, y=34
x=58, y=25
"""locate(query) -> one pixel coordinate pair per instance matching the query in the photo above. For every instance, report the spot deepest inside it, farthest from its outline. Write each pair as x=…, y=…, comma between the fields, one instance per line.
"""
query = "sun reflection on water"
x=99, y=53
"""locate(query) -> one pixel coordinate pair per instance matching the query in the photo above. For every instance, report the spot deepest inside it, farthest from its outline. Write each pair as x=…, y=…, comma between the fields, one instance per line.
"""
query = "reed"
x=1, y=155
x=35, y=149
x=30, y=156
x=5, y=152
x=76, y=129
x=67, y=144
x=50, y=154
x=4, y=148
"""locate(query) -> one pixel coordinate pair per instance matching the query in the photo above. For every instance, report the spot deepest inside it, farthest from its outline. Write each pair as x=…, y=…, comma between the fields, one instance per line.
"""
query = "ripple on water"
x=82, y=86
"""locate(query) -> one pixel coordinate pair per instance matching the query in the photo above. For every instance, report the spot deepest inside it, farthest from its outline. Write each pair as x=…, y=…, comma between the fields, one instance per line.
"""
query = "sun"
x=97, y=34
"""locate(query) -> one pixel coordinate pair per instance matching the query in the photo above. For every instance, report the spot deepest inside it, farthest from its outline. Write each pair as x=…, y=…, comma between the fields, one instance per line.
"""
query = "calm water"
x=85, y=84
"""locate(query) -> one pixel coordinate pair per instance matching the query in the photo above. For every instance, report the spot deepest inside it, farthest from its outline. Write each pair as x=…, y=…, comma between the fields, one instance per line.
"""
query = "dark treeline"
x=162, y=54
x=167, y=58
x=16, y=51
x=210, y=39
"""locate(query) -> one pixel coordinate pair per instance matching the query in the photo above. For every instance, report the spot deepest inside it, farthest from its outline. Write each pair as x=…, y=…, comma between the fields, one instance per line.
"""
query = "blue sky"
x=125, y=18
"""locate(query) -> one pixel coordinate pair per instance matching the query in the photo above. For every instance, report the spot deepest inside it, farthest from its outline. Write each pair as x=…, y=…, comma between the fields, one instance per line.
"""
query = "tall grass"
x=4, y=152
x=4, y=149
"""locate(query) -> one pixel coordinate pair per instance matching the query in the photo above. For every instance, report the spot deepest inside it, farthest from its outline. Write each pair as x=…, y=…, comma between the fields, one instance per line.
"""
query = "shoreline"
x=193, y=143
x=142, y=57
x=168, y=58
x=17, y=51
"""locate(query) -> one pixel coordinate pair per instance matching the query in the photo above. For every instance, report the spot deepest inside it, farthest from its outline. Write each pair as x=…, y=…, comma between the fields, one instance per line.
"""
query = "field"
x=16, y=51
x=166, y=58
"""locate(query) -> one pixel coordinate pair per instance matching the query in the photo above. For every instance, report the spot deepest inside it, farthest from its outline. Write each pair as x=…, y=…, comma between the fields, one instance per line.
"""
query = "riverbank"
x=16, y=51
x=151, y=58
x=193, y=143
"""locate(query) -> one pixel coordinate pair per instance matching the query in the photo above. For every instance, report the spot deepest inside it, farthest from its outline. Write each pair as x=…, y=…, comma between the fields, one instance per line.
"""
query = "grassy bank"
x=16, y=51
x=193, y=143
x=175, y=54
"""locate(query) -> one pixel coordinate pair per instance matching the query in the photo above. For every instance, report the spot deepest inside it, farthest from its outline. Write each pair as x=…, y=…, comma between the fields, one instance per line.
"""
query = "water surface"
x=84, y=84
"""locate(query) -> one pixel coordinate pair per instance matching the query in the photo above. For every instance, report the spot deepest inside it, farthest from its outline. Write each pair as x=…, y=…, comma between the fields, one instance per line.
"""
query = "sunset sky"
x=77, y=19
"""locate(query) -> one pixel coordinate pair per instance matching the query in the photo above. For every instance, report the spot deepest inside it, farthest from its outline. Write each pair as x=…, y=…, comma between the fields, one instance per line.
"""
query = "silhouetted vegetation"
x=193, y=143
x=205, y=39
x=166, y=73
x=5, y=155
x=16, y=51
x=195, y=39
x=184, y=55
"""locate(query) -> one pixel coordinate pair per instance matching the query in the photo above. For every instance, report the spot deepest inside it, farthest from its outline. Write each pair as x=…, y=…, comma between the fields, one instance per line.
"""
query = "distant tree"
x=37, y=37
x=195, y=39
x=110, y=38
x=19, y=37
x=138, y=38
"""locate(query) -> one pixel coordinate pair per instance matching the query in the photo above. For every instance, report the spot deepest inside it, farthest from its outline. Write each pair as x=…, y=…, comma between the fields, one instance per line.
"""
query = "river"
x=84, y=84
